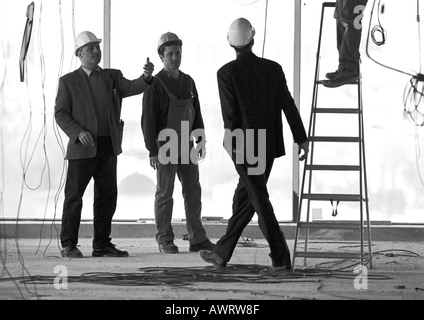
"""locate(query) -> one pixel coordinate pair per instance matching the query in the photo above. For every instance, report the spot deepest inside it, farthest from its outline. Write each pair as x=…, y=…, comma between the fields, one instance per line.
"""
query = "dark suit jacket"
x=253, y=93
x=75, y=111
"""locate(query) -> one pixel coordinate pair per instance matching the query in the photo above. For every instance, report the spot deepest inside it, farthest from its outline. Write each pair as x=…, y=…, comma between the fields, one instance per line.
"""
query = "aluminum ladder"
x=310, y=196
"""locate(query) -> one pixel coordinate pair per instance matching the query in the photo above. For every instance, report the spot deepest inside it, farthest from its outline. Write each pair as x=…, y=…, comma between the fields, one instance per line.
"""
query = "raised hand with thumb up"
x=148, y=70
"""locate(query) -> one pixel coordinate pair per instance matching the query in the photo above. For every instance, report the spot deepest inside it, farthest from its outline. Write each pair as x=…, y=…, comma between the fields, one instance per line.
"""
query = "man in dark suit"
x=253, y=92
x=88, y=110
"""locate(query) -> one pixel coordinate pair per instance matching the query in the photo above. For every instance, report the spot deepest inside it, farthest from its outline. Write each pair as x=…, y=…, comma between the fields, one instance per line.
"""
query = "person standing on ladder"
x=348, y=15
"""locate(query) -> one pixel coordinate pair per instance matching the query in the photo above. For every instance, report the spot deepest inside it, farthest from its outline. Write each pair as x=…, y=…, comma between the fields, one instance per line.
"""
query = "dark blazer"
x=253, y=93
x=75, y=112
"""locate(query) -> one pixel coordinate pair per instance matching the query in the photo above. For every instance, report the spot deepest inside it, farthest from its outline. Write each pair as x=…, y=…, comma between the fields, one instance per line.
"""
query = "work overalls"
x=180, y=118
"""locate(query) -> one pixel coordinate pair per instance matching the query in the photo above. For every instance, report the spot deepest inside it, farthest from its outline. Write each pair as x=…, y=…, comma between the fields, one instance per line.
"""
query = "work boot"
x=168, y=247
x=71, y=252
x=347, y=76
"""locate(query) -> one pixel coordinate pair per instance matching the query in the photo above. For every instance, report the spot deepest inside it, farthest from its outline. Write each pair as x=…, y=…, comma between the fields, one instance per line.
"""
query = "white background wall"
x=29, y=143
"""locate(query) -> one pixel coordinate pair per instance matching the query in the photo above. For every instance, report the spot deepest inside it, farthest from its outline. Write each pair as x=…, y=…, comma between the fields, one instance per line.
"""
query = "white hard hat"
x=84, y=38
x=167, y=38
x=240, y=33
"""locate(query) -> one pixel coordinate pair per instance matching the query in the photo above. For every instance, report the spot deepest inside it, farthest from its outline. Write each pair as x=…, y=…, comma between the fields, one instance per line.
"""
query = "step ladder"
x=360, y=197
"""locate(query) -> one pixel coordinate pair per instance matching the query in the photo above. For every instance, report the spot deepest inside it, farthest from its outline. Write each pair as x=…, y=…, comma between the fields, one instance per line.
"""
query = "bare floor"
x=34, y=270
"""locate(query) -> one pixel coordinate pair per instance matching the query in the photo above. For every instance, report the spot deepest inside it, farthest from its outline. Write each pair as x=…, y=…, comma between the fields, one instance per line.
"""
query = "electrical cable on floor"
x=388, y=253
x=187, y=277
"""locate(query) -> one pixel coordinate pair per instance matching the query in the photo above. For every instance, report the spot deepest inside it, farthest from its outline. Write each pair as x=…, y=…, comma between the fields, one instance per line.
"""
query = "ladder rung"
x=337, y=110
x=329, y=254
x=329, y=4
x=334, y=139
x=332, y=167
x=330, y=225
x=329, y=197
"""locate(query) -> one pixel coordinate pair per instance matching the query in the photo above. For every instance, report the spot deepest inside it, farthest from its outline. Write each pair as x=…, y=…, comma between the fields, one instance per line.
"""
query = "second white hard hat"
x=84, y=38
x=168, y=38
x=241, y=33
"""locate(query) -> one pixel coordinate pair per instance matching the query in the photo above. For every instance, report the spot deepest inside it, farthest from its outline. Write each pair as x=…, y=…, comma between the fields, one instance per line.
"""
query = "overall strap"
x=169, y=94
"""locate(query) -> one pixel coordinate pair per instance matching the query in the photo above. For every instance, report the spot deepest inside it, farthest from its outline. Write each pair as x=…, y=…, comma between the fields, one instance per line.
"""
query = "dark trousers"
x=250, y=196
x=349, y=32
x=102, y=169
x=348, y=43
x=188, y=174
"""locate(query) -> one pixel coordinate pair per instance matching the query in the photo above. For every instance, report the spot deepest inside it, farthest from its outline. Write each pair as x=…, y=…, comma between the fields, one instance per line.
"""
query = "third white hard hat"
x=84, y=38
x=240, y=33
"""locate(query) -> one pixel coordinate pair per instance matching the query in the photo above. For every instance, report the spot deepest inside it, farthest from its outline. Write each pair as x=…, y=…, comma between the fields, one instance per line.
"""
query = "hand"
x=154, y=162
x=305, y=147
x=148, y=70
x=86, y=139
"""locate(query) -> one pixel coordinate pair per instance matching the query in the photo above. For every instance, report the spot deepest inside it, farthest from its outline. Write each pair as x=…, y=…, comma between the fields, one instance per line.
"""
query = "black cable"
x=187, y=276
x=378, y=29
x=368, y=46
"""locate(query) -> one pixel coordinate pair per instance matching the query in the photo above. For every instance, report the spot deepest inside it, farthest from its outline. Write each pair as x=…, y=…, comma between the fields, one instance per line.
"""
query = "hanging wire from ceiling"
x=265, y=28
x=74, y=59
x=61, y=146
x=413, y=96
x=414, y=91
x=265, y=22
x=3, y=241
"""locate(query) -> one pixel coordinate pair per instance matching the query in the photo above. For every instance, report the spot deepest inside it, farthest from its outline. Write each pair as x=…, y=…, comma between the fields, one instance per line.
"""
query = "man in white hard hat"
x=171, y=120
x=253, y=94
x=88, y=110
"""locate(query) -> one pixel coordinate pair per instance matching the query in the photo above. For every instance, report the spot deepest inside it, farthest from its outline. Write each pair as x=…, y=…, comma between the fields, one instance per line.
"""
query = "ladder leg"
x=365, y=171
x=311, y=132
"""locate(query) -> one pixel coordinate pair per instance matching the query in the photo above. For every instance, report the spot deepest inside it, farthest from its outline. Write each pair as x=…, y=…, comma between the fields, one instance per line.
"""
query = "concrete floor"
x=34, y=270
x=162, y=285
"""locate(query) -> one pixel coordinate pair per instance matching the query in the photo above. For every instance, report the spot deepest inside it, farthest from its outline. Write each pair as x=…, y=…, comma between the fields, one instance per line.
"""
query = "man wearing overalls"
x=173, y=130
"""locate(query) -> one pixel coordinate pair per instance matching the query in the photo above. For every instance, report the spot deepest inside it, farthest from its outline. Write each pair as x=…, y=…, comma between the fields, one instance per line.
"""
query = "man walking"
x=253, y=94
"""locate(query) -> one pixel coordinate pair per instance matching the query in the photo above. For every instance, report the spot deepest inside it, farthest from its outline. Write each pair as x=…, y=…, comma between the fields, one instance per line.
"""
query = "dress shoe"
x=109, y=251
x=211, y=257
x=168, y=247
x=205, y=245
x=71, y=252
